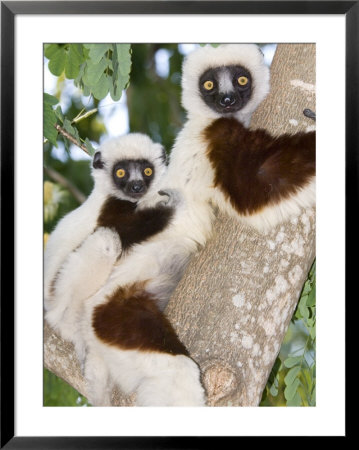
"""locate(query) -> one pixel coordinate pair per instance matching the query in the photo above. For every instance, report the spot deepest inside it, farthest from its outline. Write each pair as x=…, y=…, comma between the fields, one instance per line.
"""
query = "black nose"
x=227, y=100
x=137, y=186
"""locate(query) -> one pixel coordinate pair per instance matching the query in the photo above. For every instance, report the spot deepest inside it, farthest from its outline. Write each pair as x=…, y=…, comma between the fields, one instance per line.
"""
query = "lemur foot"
x=177, y=385
x=106, y=241
x=174, y=198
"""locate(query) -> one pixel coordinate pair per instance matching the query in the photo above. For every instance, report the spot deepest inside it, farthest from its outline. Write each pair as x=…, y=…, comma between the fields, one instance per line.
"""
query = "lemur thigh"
x=142, y=352
x=84, y=271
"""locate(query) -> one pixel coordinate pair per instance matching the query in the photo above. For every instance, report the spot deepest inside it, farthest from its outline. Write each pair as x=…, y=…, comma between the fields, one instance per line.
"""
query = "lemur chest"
x=195, y=172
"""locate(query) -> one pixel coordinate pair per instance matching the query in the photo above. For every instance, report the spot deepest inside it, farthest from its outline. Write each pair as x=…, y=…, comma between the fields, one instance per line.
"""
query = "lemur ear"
x=97, y=162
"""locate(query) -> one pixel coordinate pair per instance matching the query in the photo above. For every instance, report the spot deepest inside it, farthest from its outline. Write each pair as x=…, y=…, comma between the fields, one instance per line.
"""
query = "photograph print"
x=179, y=224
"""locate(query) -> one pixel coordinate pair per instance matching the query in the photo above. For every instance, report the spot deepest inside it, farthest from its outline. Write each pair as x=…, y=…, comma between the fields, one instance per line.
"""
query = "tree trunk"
x=234, y=304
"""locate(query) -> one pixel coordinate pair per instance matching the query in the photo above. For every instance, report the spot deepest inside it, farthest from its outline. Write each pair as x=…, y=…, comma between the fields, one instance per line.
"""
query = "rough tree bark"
x=233, y=306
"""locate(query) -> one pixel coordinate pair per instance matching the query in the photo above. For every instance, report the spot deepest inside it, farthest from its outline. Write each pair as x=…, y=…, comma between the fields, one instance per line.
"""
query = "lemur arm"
x=272, y=168
x=134, y=225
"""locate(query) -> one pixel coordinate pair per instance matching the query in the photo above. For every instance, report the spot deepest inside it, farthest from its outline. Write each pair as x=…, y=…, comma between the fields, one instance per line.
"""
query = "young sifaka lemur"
x=128, y=254
x=86, y=244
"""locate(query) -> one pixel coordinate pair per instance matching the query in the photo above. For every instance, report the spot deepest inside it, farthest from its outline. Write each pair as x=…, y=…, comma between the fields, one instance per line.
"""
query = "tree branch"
x=71, y=138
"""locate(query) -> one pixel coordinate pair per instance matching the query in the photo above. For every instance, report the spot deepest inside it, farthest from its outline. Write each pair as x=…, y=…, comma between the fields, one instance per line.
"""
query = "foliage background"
x=152, y=102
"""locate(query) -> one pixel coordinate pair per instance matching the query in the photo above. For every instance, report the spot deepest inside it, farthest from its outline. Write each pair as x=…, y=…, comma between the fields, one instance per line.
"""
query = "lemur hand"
x=174, y=198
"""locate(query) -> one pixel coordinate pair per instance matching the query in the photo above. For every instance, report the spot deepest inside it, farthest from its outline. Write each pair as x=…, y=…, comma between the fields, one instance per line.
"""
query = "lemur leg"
x=85, y=270
x=173, y=381
x=143, y=352
x=98, y=383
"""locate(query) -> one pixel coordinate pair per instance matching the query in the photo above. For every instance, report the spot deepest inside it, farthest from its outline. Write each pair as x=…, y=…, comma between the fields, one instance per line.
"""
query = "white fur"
x=69, y=233
x=225, y=81
x=159, y=379
x=84, y=271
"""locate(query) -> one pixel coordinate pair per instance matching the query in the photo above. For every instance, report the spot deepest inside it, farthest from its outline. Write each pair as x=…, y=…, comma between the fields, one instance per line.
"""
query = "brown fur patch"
x=132, y=225
x=254, y=169
x=131, y=320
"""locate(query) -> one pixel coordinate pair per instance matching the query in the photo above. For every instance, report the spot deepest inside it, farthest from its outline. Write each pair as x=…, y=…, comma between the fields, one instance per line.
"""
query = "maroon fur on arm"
x=255, y=169
x=131, y=320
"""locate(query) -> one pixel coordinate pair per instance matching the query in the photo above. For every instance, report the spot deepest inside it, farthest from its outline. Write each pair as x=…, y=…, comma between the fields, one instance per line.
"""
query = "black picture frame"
x=9, y=9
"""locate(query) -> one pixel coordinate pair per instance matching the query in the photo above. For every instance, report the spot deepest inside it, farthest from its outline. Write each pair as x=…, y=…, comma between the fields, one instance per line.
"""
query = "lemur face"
x=226, y=89
x=133, y=176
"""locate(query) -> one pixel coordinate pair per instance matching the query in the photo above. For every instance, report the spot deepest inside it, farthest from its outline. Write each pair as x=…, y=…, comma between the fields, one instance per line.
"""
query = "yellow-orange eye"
x=242, y=81
x=208, y=85
x=148, y=172
x=120, y=173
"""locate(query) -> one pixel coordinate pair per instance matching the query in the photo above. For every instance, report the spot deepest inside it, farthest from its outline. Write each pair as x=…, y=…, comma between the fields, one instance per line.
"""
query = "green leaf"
x=97, y=51
x=86, y=90
x=100, y=90
x=310, y=322
x=78, y=80
x=312, y=333
x=59, y=114
x=292, y=361
x=72, y=130
x=115, y=61
x=50, y=118
x=50, y=99
x=89, y=147
x=73, y=61
x=311, y=297
x=57, y=62
x=121, y=60
x=124, y=58
x=50, y=132
x=68, y=127
x=115, y=92
x=273, y=391
x=308, y=378
x=50, y=49
x=313, y=397
x=93, y=73
x=290, y=391
x=295, y=401
x=307, y=288
x=304, y=310
x=291, y=375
